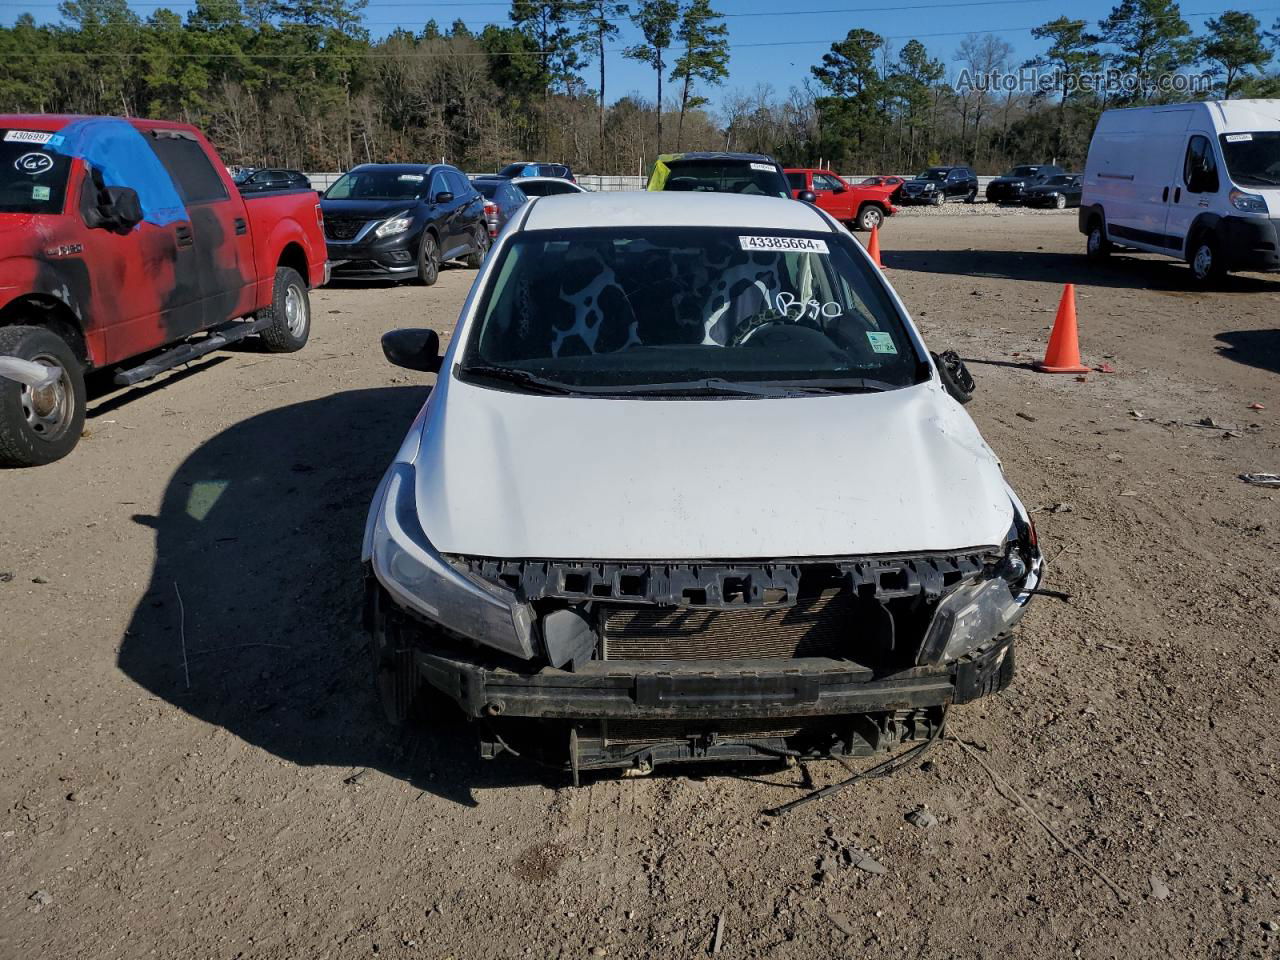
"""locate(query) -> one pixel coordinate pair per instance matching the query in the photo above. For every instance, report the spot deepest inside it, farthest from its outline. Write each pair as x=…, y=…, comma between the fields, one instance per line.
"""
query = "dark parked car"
x=747, y=173
x=1010, y=187
x=502, y=199
x=1061, y=191
x=937, y=185
x=260, y=181
x=400, y=221
x=537, y=168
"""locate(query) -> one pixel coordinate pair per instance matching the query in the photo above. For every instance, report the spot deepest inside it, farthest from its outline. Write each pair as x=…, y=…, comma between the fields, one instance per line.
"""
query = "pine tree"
x=1152, y=39
x=705, y=58
x=656, y=21
x=1233, y=46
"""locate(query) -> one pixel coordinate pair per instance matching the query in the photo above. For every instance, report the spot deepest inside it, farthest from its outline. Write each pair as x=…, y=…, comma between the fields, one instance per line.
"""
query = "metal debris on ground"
x=922, y=818
x=1026, y=416
x=1261, y=479
x=719, y=937
x=863, y=860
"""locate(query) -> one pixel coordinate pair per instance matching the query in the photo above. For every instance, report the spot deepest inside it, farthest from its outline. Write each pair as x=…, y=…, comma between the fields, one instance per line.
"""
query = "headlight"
x=393, y=225
x=1248, y=202
x=1017, y=185
x=928, y=186
x=412, y=571
x=982, y=610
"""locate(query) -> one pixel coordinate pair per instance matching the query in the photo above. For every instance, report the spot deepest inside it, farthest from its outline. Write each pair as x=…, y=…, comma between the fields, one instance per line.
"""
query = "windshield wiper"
x=837, y=385
x=521, y=378
x=718, y=386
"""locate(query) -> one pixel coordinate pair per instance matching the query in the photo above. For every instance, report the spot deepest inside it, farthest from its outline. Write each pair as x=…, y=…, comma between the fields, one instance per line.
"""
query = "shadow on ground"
x=1257, y=348
x=1128, y=272
x=260, y=532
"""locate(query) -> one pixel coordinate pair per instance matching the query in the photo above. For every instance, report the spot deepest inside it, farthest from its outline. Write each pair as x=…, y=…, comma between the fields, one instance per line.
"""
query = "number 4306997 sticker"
x=784, y=244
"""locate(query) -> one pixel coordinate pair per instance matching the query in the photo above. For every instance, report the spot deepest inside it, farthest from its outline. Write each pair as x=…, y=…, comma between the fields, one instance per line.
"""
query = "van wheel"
x=1098, y=247
x=870, y=217
x=290, y=313
x=1206, y=261
x=39, y=425
x=428, y=260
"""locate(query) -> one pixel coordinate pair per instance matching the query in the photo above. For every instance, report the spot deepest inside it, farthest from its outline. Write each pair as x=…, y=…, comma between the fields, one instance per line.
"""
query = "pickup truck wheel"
x=870, y=216
x=481, y=240
x=39, y=425
x=290, y=313
x=428, y=260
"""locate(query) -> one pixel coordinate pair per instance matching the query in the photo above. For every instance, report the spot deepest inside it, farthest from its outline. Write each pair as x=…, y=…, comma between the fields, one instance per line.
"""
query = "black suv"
x=937, y=185
x=400, y=221
x=1011, y=187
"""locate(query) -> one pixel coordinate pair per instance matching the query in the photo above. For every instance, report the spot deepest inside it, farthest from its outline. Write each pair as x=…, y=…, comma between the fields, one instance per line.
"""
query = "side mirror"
x=806, y=196
x=119, y=209
x=413, y=349
x=955, y=376
x=444, y=196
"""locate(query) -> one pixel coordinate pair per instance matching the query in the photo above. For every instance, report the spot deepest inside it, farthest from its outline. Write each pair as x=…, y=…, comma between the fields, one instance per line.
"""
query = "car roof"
x=538, y=180
x=662, y=209
x=406, y=167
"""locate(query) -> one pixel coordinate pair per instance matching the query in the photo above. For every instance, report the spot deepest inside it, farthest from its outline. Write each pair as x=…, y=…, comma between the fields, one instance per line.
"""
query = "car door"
x=470, y=217
x=1195, y=189
x=832, y=195
x=223, y=259
x=444, y=211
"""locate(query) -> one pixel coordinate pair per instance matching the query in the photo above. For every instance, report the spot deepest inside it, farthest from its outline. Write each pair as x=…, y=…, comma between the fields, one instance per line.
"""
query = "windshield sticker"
x=881, y=342
x=33, y=163
x=762, y=166
x=1239, y=137
x=410, y=177
x=789, y=302
x=30, y=136
x=39, y=193
x=784, y=244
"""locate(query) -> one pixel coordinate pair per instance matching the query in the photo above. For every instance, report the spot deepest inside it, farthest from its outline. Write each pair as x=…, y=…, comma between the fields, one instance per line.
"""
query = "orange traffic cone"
x=873, y=247
x=1063, y=355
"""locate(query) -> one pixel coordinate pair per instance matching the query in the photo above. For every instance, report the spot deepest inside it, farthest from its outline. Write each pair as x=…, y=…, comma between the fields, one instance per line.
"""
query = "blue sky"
x=770, y=41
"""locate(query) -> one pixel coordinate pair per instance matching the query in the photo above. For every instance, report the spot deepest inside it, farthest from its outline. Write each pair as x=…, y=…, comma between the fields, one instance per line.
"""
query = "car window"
x=459, y=185
x=376, y=183
x=796, y=181
x=1252, y=159
x=1200, y=168
x=824, y=181
x=753, y=178
x=545, y=188
x=616, y=307
x=438, y=184
x=189, y=166
x=486, y=188
x=33, y=179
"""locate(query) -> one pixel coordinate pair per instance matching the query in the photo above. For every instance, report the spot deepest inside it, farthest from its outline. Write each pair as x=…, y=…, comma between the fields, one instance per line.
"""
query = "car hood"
x=511, y=475
x=372, y=209
x=1046, y=188
x=914, y=182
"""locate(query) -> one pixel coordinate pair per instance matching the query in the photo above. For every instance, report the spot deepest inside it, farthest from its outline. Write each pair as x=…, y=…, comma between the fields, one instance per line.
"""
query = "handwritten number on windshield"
x=793, y=308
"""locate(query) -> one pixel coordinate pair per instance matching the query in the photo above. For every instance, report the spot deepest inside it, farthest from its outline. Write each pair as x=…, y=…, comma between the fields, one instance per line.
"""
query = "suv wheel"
x=870, y=217
x=972, y=197
x=481, y=243
x=940, y=199
x=428, y=259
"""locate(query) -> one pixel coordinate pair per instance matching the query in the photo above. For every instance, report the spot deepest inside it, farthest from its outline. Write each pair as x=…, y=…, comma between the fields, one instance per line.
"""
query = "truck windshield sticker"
x=784, y=244
x=39, y=193
x=27, y=136
x=1239, y=137
x=881, y=342
x=761, y=166
x=34, y=163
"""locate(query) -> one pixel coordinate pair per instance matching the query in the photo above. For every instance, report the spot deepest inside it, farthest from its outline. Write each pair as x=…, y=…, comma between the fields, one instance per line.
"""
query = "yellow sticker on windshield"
x=882, y=342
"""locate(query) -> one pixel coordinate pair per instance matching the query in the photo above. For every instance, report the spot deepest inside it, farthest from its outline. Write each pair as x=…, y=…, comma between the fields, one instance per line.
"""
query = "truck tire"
x=40, y=426
x=428, y=259
x=289, y=313
x=481, y=240
x=870, y=216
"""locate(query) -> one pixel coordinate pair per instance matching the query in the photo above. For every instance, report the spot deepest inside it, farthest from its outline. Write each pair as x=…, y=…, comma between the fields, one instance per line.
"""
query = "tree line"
x=302, y=83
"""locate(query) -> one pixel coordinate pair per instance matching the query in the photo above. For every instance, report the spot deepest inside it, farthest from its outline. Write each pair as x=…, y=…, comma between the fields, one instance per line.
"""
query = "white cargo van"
x=1196, y=181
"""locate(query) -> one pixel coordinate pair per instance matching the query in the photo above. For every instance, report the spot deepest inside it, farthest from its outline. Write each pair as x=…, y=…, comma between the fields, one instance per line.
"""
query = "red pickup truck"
x=125, y=244
x=862, y=206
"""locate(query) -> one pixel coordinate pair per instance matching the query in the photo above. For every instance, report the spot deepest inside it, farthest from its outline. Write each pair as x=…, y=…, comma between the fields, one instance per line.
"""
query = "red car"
x=119, y=238
x=861, y=207
x=895, y=182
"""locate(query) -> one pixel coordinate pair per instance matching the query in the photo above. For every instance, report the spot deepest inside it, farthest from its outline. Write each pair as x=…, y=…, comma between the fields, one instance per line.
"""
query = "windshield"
x=33, y=179
x=1253, y=159
x=937, y=173
x=1022, y=172
x=687, y=309
x=377, y=185
x=753, y=179
x=545, y=188
x=486, y=188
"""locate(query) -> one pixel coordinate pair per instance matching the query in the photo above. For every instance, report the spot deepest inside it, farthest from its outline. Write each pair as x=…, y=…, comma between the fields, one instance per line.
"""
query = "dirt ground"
x=250, y=802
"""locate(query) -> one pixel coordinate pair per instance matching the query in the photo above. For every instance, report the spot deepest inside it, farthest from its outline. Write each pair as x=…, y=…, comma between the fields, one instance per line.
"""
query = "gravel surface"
x=192, y=762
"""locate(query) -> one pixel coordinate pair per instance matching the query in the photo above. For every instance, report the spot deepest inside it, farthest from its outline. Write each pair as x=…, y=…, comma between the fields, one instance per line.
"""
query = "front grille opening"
x=631, y=584
x=893, y=580
x=695, y=595
x=735, y=589
x=575, y=582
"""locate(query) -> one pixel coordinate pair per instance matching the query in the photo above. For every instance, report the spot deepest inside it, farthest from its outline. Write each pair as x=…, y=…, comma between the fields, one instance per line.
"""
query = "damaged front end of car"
x=595, y=664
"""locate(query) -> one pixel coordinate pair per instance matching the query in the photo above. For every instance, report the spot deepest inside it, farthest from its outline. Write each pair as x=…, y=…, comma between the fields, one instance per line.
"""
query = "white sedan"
x=689, y=486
